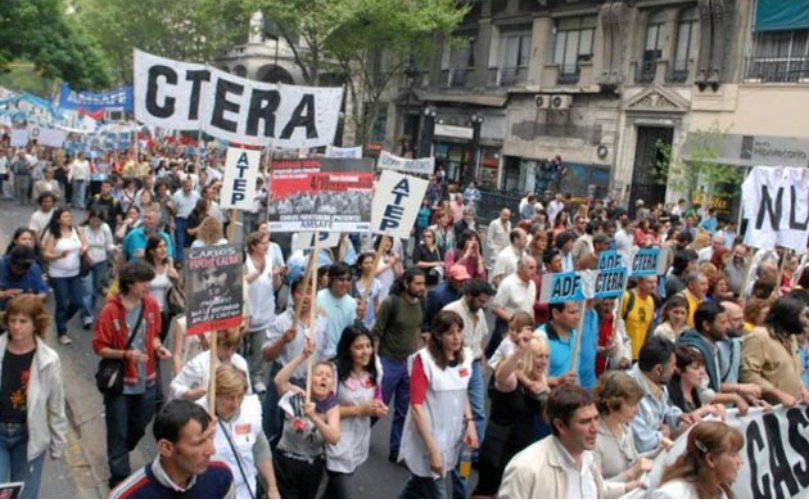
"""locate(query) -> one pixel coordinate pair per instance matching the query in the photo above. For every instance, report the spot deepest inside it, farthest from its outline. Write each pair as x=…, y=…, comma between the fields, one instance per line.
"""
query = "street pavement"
x=83, y=472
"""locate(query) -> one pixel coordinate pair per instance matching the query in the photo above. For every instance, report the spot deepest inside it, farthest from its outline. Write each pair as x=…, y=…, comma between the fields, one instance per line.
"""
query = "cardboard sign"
x=421, y=166
x=561, y=287
x=185, y=96
x=213, y=288
x=397, y=200
x=239, y=184
x=610, y=283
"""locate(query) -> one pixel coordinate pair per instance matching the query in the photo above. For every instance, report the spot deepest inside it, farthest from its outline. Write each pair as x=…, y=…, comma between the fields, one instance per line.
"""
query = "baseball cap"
x=22, y=256
x=458, y=273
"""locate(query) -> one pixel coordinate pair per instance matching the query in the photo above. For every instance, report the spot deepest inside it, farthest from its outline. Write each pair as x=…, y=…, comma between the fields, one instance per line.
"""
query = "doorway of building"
x=646, y=185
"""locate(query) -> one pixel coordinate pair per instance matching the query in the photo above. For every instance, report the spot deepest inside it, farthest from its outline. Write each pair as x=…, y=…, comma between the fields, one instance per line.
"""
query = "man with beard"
x=657, y=420
x=476, y=294
x=730, y=357
x=735, y=268
x=395, y=333
x=712, y=326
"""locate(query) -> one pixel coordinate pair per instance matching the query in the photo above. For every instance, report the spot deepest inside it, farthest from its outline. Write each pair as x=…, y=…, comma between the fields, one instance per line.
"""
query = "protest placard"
x=610, y=259
x=213, y=288
x=335, y=152
x=775, y=200
x=561, y=287
x=397, y=200
x=305, y=241
x=321, y=194
x=239, y=182
x=93, y=101
x=421, y=166
x=51, y=137
x=645, y=262
x=19, y=137
x=186, y=96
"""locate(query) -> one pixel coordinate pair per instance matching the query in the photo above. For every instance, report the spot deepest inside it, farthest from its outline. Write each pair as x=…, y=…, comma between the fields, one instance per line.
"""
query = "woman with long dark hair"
x=709, y=466
x=427, y=256
x=359, y=393
x=440, y=418
x=65, y=247
x=468, y=253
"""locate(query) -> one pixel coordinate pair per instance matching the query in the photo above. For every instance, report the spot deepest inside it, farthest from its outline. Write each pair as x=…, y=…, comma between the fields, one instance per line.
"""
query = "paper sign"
x=645, y=262
x=335, y=152
x=239, y=184
x=397, y=200
x=610, y=283
x=213, y=288
x=19, y=137
x=610, y=259
x=421, y=166
x=561, y=287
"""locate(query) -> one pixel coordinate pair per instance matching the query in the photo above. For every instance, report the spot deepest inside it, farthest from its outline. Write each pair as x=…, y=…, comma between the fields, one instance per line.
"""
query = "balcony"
x=777, y=69
x=678, y=71
x=456, y=77
x=507, y=77
x=568, y=74
x=647, y=69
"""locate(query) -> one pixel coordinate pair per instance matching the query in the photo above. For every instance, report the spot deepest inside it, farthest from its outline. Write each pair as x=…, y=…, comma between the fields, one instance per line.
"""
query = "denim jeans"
x=70, y=295
x=251, y=350
x=180, y=225
x=249, y=223
x=92, y=283
x=396, y=381
x=500, y=328
x=424, y=487
x=79, y=193
x=126, y=416
x=14, y=464
x=22, y=183
x=477, y=400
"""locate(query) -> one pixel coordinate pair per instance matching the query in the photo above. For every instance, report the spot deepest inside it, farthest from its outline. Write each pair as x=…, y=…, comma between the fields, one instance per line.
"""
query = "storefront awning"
x=781, y=15
x=747, y=150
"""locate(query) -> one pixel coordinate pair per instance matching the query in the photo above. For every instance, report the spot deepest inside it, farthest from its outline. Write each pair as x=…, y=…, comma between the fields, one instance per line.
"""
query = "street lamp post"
x=426, y=142
x=471, y=171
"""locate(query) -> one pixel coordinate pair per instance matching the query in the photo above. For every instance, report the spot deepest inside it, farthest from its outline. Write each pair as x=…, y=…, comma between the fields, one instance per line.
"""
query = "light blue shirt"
x=340, y=313
x=651, y=414
x=588, y=349
x=560, y=351
x=136, y=240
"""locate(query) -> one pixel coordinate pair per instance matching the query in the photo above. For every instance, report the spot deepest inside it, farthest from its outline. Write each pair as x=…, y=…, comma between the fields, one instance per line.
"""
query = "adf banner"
x=422, y=166
x=775, y=201
x=775, y=455
x=186, y=96
x=213, y=288
x=397, y=200
x=239, y=184
x=321, y=194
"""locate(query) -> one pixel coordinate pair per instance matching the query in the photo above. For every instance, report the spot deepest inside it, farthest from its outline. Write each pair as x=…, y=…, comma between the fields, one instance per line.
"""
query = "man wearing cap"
x=19, y=273
x=447, y=291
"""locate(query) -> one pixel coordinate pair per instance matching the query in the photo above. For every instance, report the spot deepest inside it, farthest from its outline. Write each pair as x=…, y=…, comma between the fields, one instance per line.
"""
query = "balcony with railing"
x=507, y=77
x=568, y=74
x=647, y=69
x=678, y=71
x=777, y=69
x=456, y=77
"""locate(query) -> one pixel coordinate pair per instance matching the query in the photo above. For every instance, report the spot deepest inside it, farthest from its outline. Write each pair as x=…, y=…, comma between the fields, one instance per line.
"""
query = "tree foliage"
x=367, y=42
x=39, y=31
x=702, y=175
x=188, y=30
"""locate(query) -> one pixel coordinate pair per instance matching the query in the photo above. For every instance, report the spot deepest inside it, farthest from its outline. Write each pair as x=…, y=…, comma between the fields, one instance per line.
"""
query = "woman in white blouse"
x=101, y=248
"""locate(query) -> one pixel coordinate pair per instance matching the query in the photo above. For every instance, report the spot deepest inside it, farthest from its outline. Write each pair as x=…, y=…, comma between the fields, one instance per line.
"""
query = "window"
x=573, y=45
x=687, y=40
x=652, y=48
x=780, y=56
x=515, y=55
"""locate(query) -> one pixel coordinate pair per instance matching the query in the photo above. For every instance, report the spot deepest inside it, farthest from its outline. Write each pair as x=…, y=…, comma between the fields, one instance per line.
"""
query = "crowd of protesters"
x=399, y=330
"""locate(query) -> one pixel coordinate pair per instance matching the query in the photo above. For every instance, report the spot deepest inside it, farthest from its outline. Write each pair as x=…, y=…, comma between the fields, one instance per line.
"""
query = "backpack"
x=630, y=304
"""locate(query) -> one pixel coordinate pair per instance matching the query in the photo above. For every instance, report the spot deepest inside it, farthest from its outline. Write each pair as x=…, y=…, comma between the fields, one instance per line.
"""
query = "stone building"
x=603, y=84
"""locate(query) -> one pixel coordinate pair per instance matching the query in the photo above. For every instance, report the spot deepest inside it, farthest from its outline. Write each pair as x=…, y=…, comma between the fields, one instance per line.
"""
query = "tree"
x=367, y=42
x=188, y=30
x=38, y=31
x=702, y=175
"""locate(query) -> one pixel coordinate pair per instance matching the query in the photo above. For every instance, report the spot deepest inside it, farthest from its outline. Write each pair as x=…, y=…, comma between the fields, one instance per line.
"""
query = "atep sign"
x=397, y=199
x=186, y=96
x=239, y=184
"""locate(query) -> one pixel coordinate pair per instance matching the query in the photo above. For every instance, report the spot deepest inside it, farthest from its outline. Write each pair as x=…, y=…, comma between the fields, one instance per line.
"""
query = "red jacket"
x=111, y=331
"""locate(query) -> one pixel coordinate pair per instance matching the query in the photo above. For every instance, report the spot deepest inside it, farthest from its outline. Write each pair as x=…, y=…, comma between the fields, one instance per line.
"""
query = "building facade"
x=603, y=84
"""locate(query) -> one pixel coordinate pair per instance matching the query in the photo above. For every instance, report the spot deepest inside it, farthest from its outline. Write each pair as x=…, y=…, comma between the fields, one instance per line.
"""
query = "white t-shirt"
x=80, y=170
x=39, y=221
x=69, y=266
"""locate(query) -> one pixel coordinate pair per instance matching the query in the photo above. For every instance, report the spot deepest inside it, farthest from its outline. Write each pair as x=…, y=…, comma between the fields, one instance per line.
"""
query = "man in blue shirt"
x=446, y=292
x=19, y=273
x=135, y=241
x=709, y=222
x=561, y=333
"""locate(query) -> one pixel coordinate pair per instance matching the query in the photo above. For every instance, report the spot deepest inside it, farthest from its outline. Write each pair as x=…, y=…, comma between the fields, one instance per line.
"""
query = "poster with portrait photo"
x=213, y=288
x=11, y=490
x=321, y=194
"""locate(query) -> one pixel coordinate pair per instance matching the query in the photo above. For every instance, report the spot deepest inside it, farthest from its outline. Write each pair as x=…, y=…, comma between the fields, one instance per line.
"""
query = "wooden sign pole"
x=212, y=379
x=312, y=307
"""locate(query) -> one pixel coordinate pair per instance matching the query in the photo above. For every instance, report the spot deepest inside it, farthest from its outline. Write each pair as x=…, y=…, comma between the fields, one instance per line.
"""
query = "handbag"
x=86, y=265
x=110, y=373
x=175, y=299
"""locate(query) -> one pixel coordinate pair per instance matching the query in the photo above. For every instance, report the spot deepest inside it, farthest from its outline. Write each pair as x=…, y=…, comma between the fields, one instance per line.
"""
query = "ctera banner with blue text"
x=186, y=96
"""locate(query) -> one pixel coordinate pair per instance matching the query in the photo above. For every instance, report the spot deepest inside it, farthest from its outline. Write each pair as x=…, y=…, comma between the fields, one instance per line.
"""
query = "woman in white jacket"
x=440, y=419
x=32, y=400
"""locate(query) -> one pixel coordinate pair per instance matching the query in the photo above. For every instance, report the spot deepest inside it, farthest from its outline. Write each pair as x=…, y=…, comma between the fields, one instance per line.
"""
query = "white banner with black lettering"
x=397, y=199
x=421, y=166
x=239, y=183
x=187, y=96
x=775, y=200
x=335, y=152
x=775, y=455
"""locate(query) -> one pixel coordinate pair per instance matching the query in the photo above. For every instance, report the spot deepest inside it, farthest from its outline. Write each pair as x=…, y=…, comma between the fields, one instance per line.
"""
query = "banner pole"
x=781, y=267
x=312, y=307
x=747, y=268
x=212, y=377
x=232, y=226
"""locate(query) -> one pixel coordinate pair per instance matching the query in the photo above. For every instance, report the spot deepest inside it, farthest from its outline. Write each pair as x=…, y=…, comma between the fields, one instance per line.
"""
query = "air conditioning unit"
x=561, y=101
x=543, y=101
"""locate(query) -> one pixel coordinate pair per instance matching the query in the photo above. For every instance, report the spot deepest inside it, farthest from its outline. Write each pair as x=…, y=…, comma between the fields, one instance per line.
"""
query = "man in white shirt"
x=184, y=202
x=497, y=235
x=80, y=178
x=563, y=465
x=507, y=259
x=517, y=292
x=717, y=244
x=625, y=237
x=554, y=207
